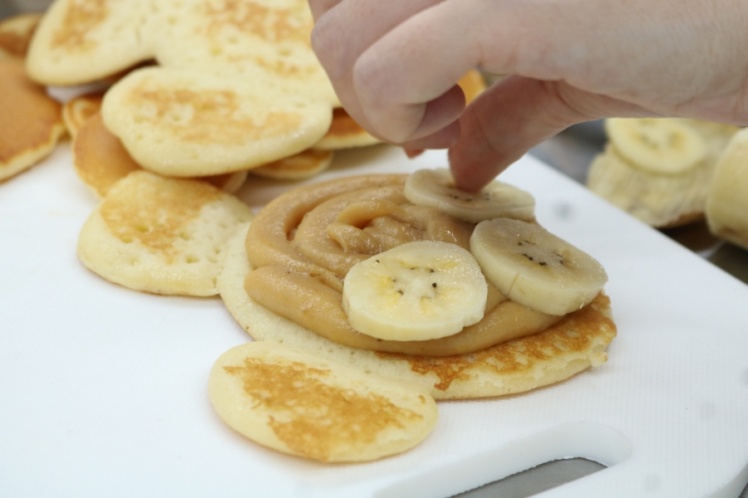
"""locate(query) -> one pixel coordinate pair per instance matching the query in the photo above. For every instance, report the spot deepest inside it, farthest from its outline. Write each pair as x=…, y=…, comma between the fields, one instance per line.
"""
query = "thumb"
x=513, y=116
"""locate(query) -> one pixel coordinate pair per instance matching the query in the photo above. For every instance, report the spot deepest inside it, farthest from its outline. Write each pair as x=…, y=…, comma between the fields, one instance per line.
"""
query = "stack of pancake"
x=192, y=93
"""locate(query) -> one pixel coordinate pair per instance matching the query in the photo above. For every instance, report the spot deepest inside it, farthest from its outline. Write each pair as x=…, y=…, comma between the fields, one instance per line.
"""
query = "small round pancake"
x=99, y=158
x=305, y=164
x=82, y=41
x=16, y=33
x=245, y=39
x=228, y=182
x=314, y=408
x=571, y=346
x=160, y=235
x=31, y=121
x=79, y=109
x=186, y=123
x=345, y=133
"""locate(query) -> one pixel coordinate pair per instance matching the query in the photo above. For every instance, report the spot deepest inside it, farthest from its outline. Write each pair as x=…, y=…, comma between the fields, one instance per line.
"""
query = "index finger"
x=319, y=7
x=345, y=29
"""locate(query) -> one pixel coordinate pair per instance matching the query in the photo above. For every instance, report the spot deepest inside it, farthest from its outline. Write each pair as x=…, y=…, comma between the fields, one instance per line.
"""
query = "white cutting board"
x=103, y=390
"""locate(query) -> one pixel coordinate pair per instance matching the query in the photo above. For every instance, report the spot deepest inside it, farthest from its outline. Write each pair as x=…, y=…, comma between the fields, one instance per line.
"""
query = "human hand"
x=395, y=66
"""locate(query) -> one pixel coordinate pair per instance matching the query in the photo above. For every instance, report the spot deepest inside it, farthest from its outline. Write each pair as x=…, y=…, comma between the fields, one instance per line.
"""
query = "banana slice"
x=536, y=268
x=727, y=198
x=435, y=188
x=416, y=291
x=658, y=145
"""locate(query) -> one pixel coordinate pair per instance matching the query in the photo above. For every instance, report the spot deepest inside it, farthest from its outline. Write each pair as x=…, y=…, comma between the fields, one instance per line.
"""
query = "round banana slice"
x=727, y=199
x=435, y=188
x=658, y=145
x=536, y=268
x=416, y=291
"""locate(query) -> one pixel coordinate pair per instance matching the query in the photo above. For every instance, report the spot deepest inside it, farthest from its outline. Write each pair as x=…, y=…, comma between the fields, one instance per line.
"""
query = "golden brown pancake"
x=31, y=121
x=99, y=158
x=160, y=235
x=246, y=39
x=315, y=408
x=16, y=32
x=305, y=164
x=79, y=109
x=344, y=133
x=543, y=355
x=84, y=41
x=186, y=123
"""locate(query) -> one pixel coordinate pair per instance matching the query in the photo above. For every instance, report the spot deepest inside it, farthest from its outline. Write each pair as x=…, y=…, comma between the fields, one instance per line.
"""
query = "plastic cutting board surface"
x=103, y=389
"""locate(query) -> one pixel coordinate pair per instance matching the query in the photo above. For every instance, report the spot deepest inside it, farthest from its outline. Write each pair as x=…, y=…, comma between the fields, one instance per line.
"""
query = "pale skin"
x=395, y=64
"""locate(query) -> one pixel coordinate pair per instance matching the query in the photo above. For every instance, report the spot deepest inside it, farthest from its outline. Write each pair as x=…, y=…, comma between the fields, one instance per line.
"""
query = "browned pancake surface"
x=31, y=121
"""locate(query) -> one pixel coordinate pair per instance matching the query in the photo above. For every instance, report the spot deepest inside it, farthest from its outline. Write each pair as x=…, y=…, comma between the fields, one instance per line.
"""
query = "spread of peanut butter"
x=302, y=244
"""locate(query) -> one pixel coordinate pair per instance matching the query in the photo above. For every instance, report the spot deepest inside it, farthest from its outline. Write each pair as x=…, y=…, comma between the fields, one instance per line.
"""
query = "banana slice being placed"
x=436, y=188
x=536, y=268
x=727, y=198
x=416, y=291
x=658, y=145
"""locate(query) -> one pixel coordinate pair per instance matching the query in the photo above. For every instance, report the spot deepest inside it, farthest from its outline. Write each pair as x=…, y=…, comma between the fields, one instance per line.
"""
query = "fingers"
x=319, y=7
x=515, y=115
x=405, y=82
x=340, y=37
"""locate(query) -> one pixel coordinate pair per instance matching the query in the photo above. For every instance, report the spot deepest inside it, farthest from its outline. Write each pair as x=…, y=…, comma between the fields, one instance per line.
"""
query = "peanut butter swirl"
x=302, y=244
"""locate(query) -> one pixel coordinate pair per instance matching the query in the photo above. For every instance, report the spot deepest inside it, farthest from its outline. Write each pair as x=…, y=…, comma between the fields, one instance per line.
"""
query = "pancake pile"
x=227, y=86
x=659, y=169
x=160, y=235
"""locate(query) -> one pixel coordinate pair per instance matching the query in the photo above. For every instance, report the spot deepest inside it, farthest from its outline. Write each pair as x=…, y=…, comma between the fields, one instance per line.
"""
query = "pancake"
x=345, y=133
x=184, y=123
x=78, y=110
x=246, y=40
x=16, y=33
x=100, y=160
x=160, y=235
x=82, y=41
x=571, y=346
x=228, y=182
x=305, y=164
x=311, y=407
x=31, y=121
